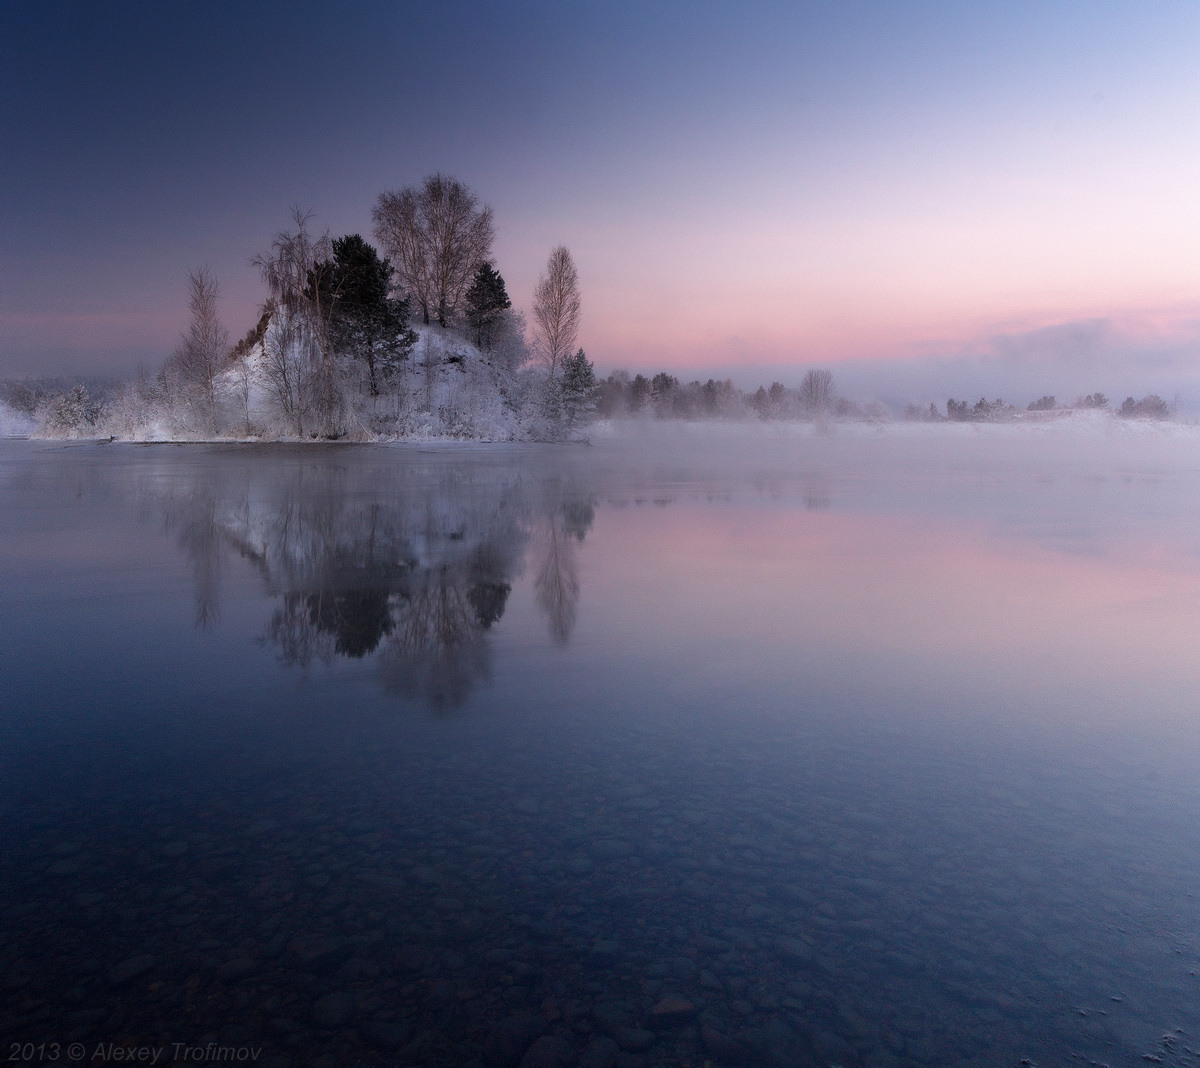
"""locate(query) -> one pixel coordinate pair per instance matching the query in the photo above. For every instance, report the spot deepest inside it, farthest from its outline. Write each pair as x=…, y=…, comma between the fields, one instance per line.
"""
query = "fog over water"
x=739, y=744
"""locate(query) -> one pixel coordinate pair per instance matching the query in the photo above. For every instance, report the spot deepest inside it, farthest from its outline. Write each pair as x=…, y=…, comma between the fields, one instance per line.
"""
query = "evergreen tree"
x=578, y=390
x=551, y=421
x=486, y=301
x=365, y=322
x=776, y=400
x=663, y=388
x=639, y=393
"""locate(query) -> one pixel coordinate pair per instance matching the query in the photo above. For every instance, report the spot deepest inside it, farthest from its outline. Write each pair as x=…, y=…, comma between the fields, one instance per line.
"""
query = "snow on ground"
x=447, y=388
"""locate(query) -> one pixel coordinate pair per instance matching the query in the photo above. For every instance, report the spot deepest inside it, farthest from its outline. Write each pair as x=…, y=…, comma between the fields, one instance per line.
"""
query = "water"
x=872, y=749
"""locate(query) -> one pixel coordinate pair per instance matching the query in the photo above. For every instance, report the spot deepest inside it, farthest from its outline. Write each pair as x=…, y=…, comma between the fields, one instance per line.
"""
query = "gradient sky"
x=919, y=195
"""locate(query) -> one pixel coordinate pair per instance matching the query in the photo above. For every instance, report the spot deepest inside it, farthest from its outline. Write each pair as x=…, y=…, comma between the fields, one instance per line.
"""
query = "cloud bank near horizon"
x=1066, y=360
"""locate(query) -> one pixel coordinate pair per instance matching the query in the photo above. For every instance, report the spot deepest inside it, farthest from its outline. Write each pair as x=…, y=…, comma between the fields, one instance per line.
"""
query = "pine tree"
x=486, y=301
x=365, y=322
x=639, y=393
x=663, y=390
x=578, y=391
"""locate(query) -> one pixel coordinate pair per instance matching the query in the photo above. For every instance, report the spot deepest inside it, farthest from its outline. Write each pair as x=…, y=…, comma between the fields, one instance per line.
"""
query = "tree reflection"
x=565, y=521
x=436, y=652
x=202, y=541
x=409, y=567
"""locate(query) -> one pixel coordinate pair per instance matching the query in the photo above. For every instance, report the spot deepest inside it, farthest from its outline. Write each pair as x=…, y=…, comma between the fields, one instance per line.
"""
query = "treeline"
x=663, y=396
x=578, y=398
x=414, y=336
x=983, y=410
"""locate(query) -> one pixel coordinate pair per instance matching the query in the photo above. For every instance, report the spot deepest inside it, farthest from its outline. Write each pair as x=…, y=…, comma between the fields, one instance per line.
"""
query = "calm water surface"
x=865, y=750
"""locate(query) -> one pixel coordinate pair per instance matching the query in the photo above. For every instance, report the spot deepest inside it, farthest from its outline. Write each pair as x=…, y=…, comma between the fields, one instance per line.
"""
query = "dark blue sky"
x=757, y=185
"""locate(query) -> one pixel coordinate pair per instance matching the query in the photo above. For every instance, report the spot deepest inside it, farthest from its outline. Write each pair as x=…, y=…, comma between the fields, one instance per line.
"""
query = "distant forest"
x=663, y=396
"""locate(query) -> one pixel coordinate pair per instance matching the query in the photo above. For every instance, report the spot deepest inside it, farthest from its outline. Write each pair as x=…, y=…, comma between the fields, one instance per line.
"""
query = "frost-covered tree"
x=486, y=302
x=663, y=390
x=510, y=348
x=556, y=310
x=639, y=394
x=190, y=373
x=548, y=422
x=21, y=396
x=435, y=235
x=1151, y=406
x=611, y=395
x=299, y=365
x=816, y=391
x=777, y=400
x=578, y=391
x=70, y=414
x=245, y=374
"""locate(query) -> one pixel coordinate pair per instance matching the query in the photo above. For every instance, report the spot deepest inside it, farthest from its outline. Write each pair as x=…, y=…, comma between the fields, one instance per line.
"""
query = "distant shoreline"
x=1062, y=422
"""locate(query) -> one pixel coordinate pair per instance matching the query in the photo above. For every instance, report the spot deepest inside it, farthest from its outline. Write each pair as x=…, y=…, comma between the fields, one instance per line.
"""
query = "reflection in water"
x=201, y=540
x=906, y=779
x=558, y=577
x=412, y=577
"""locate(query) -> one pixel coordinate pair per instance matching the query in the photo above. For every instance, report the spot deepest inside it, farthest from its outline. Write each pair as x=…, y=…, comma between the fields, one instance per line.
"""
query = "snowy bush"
x=68, y=415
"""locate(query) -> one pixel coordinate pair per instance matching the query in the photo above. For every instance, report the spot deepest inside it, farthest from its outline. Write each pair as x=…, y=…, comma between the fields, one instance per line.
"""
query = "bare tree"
x=299, y=365
x=191, y=371
x=816, y=391
x=556, y=310
x=244, y=380
x=436, y=236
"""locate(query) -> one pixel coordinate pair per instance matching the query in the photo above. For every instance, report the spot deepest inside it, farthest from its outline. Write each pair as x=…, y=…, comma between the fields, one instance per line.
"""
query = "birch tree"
x=299, y=366
x=436, y=236
x=191, y=371
x=556, y=310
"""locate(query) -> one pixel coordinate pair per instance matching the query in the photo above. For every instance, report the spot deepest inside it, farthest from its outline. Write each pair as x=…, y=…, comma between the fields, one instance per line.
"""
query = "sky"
x=927, y=198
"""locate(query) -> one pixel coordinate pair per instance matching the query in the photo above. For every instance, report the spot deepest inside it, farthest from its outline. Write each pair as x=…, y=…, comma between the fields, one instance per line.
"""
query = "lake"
x=871, y=748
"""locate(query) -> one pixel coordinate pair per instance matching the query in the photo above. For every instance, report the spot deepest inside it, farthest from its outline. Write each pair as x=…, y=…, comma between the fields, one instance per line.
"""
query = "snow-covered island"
x=422, y=343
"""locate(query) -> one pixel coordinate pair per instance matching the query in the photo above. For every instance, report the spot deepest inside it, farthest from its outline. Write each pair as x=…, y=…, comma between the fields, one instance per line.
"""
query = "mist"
x=1066, y=360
